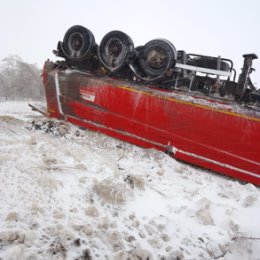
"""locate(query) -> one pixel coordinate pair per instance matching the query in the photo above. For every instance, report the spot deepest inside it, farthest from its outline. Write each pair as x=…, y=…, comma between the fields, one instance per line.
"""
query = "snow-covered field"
x=67, y=193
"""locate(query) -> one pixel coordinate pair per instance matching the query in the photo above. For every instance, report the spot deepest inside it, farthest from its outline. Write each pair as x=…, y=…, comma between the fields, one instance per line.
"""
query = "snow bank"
x=66, y=193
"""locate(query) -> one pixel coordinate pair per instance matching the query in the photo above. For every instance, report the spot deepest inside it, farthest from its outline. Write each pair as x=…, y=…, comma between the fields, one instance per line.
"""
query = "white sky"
x=230, y=28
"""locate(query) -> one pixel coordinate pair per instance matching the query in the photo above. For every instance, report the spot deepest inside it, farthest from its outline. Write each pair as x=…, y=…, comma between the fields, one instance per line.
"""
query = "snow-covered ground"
x=67, y=193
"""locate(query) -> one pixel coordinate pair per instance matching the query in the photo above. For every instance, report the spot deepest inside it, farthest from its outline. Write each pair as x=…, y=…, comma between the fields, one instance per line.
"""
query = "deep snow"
x=67, y=193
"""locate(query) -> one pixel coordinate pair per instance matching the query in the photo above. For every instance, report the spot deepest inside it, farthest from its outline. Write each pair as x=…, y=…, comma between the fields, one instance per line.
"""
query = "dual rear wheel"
x=117, y=50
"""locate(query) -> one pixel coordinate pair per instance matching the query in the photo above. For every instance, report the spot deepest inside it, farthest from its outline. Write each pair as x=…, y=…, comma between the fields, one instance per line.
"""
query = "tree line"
x=20, y=80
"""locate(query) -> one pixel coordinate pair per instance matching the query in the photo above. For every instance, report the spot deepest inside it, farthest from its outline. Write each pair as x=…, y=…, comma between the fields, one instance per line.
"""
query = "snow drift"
x=68, y=193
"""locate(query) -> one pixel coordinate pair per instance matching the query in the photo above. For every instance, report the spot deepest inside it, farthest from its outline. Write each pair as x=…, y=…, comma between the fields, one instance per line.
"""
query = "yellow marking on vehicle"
x=192, y=104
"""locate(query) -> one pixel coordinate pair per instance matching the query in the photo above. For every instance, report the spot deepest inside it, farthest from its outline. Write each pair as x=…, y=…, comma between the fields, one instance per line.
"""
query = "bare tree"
x=19, y=80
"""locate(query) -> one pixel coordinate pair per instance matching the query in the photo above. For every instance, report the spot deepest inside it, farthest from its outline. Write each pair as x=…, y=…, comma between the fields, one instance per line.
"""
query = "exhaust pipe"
x=244, y=77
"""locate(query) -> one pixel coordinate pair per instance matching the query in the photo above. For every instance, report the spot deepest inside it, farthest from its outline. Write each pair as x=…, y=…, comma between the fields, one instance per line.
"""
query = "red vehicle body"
x=219, y=135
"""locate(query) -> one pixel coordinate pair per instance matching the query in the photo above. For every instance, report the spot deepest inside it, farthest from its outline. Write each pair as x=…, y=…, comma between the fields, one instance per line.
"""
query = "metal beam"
x=204, y=70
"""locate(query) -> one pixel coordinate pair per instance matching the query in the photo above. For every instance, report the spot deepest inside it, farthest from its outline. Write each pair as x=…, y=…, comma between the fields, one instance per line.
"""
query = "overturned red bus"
x=187, y=105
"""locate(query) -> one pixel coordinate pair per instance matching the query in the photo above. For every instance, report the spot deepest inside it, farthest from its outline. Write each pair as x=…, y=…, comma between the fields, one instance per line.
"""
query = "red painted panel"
x=190, y=128
x=216, y=138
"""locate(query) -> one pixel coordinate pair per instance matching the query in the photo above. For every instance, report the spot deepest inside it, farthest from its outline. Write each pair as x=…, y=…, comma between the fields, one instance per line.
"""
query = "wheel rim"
x=114, y=48
x=156, y=58
x=76, y=42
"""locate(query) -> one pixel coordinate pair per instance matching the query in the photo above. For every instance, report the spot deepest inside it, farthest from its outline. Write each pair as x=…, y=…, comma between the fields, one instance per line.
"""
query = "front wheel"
x=77, y=43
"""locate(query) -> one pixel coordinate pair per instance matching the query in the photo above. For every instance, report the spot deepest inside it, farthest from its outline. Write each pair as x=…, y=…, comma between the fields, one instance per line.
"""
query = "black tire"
x=77, y=43
x=115, y=50
x=157, y=56
x=209, y=62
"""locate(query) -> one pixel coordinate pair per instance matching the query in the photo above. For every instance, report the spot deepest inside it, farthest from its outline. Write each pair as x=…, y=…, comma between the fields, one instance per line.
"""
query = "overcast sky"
x=230, y=28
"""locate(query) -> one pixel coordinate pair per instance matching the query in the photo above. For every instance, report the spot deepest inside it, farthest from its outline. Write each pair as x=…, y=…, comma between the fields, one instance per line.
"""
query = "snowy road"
x=67, y=193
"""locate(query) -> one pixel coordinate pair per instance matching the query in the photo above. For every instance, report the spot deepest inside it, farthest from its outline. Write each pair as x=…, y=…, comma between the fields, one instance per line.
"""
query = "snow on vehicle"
x=187, y=105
